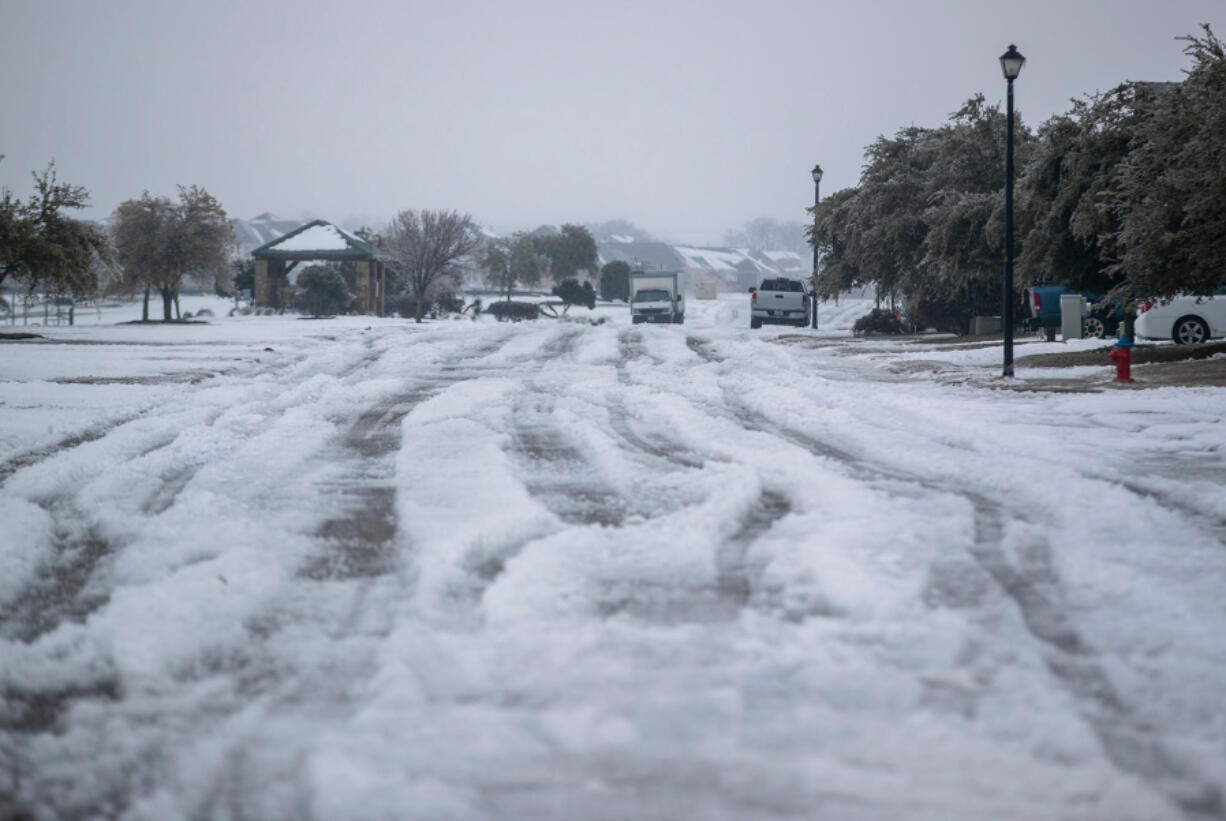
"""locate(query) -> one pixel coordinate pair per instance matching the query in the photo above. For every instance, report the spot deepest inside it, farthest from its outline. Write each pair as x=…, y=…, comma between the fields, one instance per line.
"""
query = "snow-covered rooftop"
x=720, y=259
x=320, y=237
x=317, y=238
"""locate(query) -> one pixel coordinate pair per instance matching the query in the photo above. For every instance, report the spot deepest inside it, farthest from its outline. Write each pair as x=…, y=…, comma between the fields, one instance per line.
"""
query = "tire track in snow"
x=63, y=592
x=33, y=457
x=630, y=348
x=59, y=594
x=361, y=538
x=704, y=349
x=1130, y=744
x=736, y=584
x=555, y=471
x=671, y=452
x=30, y=458
x=265, y=676
x=554, y=466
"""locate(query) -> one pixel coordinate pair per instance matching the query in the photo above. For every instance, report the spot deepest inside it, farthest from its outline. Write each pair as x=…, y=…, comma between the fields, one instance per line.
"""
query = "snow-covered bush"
x=321, y=290
x=878, y=321
x=572, y=293
x=514, y=311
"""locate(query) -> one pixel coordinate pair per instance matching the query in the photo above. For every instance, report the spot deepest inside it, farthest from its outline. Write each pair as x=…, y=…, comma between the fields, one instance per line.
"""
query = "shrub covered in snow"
x=572, y=293
x=514, y=311
x=321, y=290
x=879, y=321
x=405, y=305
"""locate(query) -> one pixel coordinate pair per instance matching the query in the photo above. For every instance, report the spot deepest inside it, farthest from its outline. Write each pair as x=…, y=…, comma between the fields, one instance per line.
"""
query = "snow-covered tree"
x=1171, y=197
x=161, y=242
x=428, y=248
x=41, y=246
x=570, y=251
x=514, y=260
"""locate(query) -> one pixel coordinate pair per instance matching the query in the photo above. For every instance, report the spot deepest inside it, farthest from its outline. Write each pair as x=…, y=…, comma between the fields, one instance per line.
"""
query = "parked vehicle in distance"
x=656, y=297
x=1187, y=320
x=779, y=301
x=1044, y=301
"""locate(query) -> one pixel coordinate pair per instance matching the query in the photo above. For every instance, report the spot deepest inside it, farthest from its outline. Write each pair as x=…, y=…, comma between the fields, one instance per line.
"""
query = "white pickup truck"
x=779, y=301
x=656, y=297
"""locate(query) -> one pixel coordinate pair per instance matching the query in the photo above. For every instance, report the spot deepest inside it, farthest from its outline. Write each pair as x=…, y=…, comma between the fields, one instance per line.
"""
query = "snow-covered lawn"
x=355, y=568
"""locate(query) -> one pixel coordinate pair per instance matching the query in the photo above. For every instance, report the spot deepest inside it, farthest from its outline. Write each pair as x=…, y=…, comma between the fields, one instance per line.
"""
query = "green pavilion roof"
x=318, y=239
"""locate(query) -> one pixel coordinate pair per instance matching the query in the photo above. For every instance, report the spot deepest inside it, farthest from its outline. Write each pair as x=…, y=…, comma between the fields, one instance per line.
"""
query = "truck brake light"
x=755, y=298
x=804, y=299
x=1038, y=302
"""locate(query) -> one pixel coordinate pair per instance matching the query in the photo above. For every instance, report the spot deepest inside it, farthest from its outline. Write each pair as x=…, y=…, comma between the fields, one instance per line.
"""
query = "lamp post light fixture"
x=817, y=188
x=1011, y=64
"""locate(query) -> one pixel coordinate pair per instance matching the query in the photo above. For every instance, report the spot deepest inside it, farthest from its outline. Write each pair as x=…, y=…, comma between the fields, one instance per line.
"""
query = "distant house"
x=640, y=255
x=257, y=231
x=725, y=269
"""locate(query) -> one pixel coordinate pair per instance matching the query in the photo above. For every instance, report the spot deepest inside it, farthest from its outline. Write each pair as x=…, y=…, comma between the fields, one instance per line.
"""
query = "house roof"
x=722, y=259
x=318, y=239
x=645, y=255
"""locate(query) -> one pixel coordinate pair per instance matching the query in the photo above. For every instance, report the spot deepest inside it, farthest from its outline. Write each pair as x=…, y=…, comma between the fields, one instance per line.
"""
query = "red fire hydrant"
x=1121, y=355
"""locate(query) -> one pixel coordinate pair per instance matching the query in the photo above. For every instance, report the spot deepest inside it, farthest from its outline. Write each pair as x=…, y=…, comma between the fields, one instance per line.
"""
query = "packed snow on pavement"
x=359, y=568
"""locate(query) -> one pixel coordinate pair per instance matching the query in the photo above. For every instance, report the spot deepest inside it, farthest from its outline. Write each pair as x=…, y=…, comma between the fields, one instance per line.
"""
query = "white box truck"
x=655, y=296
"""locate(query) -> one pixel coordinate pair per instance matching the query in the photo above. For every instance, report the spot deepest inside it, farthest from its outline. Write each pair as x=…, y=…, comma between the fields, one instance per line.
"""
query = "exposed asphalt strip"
x=360, y=541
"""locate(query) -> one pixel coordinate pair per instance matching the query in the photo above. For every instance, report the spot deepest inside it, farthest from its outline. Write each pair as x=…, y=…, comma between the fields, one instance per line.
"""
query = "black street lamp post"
x=1011, y=64
x=817, y=198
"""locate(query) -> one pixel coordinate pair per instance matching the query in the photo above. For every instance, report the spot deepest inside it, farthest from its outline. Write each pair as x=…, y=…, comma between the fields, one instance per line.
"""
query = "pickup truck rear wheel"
x=1092, y=327
x=755, y=323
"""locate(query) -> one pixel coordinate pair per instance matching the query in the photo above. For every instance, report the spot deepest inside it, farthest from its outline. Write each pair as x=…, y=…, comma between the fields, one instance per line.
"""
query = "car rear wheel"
x=1092, y=327
x=1190, y=330
x=755, y=323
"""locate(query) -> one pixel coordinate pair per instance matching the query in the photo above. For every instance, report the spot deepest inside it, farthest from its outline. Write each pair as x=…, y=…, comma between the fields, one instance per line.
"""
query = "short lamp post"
x=1011, y=64
x=817, y=198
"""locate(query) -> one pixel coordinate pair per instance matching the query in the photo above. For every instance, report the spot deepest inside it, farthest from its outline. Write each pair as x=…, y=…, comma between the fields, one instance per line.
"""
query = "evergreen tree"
x=569, y=251
x=322, y=291
x=615, y=280
x=572, y=293
x=1171, y=198
x=508, y=262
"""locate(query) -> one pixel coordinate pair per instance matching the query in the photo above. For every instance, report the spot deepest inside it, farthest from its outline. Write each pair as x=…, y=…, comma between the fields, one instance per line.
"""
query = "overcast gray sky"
x=687, y=118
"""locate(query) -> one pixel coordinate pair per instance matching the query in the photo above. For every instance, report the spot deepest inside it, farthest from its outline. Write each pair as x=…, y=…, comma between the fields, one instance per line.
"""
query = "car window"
x=651, y=295
x=767, y=285
x=796, y=286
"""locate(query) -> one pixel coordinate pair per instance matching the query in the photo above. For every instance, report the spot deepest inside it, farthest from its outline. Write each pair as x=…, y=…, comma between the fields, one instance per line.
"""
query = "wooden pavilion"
x=323, y=241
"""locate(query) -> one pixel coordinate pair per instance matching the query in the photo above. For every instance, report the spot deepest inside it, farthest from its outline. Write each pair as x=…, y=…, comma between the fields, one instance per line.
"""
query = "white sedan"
x=1185, y=319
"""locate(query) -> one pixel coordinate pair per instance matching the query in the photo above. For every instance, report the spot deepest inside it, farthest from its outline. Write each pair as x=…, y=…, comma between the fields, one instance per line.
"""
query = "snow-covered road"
x=268, y=568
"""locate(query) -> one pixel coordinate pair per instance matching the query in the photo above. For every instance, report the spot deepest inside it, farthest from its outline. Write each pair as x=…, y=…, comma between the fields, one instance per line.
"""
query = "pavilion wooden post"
x=381, y=281
x=362, y=282
x=276, y=284
x=261, y=283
